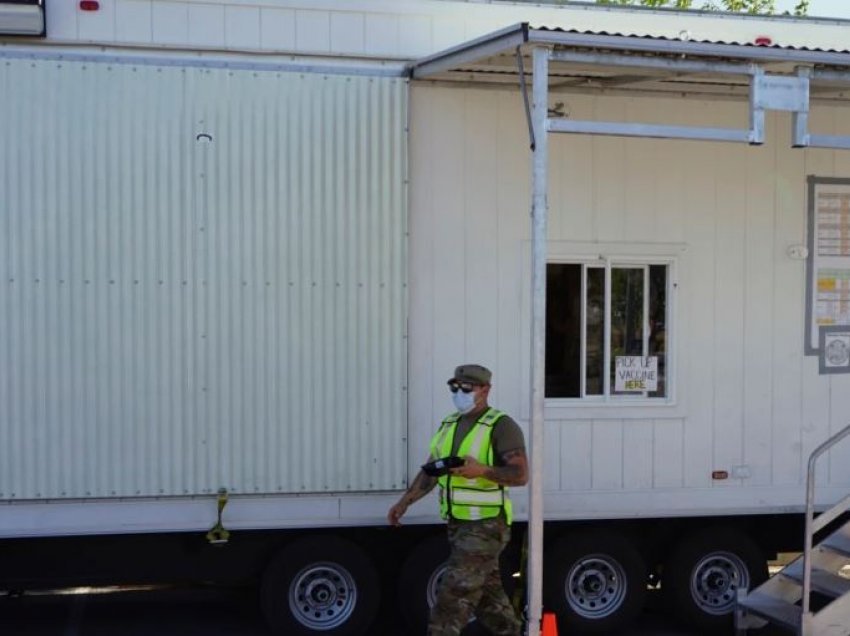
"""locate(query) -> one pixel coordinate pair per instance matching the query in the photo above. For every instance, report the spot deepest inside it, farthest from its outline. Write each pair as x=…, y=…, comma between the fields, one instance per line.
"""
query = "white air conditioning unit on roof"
x=22, y=17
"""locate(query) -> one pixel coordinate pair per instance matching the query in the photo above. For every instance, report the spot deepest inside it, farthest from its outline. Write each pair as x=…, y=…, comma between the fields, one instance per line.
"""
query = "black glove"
x=440, y=467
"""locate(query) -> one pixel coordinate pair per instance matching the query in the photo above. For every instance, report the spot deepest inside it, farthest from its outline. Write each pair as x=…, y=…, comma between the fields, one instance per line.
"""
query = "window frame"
x=608, y=259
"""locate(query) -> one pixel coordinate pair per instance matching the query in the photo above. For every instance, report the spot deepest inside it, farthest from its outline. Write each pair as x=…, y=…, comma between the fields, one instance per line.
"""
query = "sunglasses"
x=466, y=387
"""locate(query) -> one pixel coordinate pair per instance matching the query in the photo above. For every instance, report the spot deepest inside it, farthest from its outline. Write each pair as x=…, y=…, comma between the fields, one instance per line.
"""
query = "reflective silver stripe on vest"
x=477, y=497
x=441, y=440
x=475, y=447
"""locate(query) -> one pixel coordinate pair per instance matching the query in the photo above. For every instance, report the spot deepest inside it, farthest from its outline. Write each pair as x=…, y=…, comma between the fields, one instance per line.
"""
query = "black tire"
x=420, y=577
x=321, y=584
x=594, y=581
x=703, y=573
x=418, y=580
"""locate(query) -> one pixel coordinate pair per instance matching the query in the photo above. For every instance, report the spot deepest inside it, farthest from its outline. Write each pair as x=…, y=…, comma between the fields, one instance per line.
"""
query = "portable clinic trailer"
x=243, y=250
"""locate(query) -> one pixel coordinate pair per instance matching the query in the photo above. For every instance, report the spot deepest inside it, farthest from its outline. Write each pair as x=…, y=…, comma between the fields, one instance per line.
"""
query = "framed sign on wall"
x=828, y=268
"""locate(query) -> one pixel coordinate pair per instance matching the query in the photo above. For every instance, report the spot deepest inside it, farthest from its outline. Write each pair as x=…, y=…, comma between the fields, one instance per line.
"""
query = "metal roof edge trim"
x=496, y=42
x=511, y=37
x=705, y=49
x=142, y=56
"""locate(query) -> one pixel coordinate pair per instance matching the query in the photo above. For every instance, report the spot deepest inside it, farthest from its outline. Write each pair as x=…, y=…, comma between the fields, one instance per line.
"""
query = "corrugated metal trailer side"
x=203, y=279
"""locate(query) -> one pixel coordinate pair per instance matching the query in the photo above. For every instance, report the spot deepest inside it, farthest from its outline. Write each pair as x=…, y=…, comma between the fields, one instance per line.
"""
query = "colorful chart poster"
x=828, y=259
x=833, y=297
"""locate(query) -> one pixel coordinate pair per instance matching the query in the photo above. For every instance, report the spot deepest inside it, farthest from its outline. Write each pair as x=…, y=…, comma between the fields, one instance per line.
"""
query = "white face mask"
x=464, y=402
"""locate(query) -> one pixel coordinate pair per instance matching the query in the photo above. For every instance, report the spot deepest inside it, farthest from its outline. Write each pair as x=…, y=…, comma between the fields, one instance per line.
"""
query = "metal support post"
x=539, y=189
x=800, y=118
x=756, y=135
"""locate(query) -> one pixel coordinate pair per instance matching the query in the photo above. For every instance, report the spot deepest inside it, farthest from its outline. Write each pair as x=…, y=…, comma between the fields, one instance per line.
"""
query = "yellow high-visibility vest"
x=470, y=499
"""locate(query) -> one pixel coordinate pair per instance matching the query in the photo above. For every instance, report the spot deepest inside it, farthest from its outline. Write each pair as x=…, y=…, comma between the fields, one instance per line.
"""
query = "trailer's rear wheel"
x=704, y=572
x=419, y=579
x=320, y=584
x=595, y=582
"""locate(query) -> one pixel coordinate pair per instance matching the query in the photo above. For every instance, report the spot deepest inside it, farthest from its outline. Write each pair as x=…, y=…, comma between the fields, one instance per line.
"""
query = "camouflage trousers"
x=472, y=584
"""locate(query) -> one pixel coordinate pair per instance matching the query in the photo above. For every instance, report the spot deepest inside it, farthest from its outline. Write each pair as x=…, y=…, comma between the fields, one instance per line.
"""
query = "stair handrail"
x=810, y=512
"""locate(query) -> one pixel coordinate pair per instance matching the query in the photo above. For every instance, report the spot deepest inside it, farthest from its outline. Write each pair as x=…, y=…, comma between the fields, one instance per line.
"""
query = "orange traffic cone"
x=550, y=625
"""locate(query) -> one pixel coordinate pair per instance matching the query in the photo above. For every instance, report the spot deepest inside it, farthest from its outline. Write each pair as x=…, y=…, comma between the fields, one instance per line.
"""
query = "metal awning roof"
x=603, y=60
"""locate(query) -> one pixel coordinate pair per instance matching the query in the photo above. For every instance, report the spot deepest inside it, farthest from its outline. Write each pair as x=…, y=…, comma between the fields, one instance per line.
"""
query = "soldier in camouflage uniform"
x=474, y=501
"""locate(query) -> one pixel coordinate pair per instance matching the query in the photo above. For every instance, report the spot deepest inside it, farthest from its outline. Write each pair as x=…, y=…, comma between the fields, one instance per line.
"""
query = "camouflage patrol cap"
x=474, y=373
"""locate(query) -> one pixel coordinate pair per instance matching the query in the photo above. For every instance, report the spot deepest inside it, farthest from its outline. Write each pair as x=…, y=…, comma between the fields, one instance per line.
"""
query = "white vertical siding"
x=730, y=293
x=746, y=394
x=758, y=272
x=787, y=460
x=839, y=399
x=815, y=415
x=203, y=281
x=698, y=355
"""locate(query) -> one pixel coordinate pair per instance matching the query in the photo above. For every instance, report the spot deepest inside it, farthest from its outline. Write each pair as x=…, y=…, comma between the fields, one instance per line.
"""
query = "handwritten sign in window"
x=635, y=374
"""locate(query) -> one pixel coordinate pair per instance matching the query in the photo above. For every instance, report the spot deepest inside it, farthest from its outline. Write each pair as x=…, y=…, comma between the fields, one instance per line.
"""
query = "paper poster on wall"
x=828, y=267
x=635, y=374
x=832, y=303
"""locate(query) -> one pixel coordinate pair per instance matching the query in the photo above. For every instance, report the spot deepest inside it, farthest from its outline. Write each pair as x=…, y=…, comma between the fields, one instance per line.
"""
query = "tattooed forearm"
x=421, y=486
x=506, y=475
x=424, y=482
x=513, y=473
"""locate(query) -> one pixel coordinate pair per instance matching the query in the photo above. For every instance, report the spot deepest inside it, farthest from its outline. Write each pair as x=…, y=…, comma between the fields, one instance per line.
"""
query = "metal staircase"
x=785, y=599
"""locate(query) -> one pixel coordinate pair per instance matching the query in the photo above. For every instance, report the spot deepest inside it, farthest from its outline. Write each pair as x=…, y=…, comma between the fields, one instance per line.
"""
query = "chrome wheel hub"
x=715, y=581
x=596, y=587
x=322, y=596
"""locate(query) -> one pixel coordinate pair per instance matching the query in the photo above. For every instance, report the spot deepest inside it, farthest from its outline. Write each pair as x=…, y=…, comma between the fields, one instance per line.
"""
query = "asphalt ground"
x=199, y=611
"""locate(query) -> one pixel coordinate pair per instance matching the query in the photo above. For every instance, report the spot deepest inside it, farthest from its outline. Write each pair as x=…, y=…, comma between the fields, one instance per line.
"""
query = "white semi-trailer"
x=244, y=243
